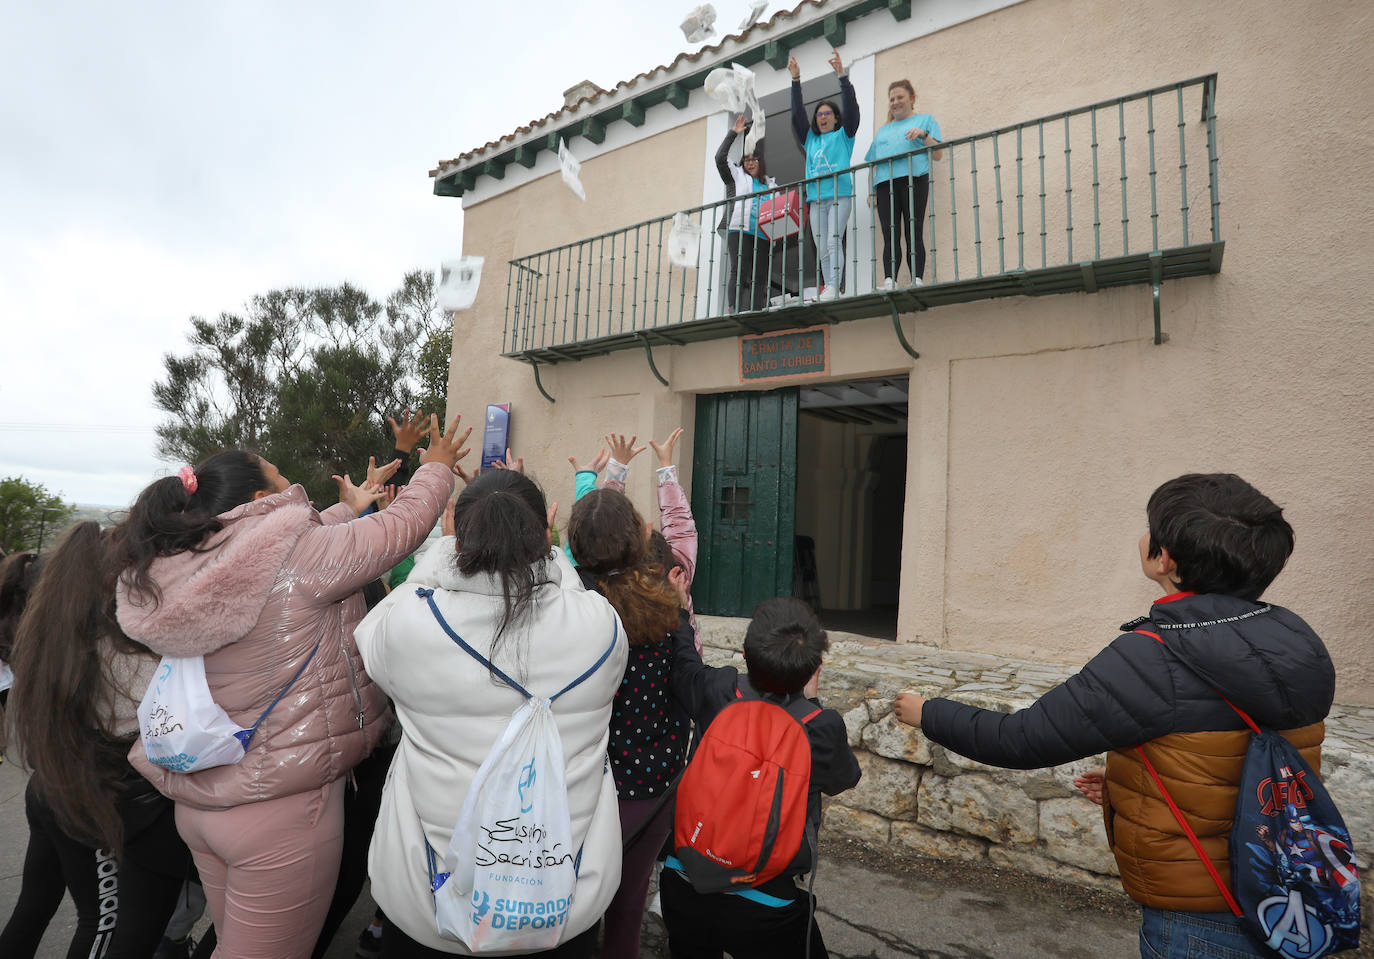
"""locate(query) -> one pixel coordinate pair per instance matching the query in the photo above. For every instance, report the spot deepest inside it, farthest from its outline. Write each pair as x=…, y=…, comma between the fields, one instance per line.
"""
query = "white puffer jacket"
x=452, y=712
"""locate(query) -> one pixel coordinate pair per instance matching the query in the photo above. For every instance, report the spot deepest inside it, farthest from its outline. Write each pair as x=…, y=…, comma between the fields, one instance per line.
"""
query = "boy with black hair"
x=1214, y=544
x=783, y=648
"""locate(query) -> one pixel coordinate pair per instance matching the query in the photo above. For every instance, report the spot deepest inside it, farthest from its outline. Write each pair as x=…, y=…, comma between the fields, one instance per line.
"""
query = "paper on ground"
x=458, y=280
x=572, y=170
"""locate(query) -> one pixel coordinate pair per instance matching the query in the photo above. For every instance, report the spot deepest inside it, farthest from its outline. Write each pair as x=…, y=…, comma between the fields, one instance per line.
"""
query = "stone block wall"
x=919, y=798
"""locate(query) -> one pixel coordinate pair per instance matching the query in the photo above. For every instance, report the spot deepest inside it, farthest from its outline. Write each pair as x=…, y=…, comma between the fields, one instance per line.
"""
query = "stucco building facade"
x=987, y=494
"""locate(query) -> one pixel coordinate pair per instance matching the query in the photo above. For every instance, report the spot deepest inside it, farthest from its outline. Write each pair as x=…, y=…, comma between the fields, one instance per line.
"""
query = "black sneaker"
x=369, y=946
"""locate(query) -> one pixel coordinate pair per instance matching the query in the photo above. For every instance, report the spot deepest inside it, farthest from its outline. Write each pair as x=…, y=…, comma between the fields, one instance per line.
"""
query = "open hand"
x=409, y=431
x=446, y=525
x=665, y=449
x=677, y=578
x=443, y=447
x=794, y=68
x=357, y=498
x=597, y=464
x=1091, y=784
x=378, y=475
x=908, y=708
x=509, y=463
x=835, y=62
x=622, y=451
x=740, y=124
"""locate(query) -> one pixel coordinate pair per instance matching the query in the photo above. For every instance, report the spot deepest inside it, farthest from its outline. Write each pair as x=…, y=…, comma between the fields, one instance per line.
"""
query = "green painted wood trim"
x=776, y=54
x=450, y=185
x=551, y=141
x=900, y=9
x=633, y=113
x=677, y=95
x=593, y=129
x=525, y=154
x=495, y=167
x=833, y=31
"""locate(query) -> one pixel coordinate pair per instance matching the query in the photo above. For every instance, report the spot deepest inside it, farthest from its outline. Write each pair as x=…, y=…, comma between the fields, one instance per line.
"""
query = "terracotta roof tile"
x=623, y=84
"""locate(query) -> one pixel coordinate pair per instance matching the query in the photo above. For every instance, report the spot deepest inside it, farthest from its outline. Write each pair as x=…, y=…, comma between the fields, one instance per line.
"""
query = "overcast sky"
x=160, y=160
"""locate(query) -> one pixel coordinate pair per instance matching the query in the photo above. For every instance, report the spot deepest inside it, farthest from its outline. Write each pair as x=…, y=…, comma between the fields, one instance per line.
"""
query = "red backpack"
x=741, y=805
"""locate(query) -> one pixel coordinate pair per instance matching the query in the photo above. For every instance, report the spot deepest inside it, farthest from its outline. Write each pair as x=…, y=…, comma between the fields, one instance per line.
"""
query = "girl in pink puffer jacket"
x=229, y=562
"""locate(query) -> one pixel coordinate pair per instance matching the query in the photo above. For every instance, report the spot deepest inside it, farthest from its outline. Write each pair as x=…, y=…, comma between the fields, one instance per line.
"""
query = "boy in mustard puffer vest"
x=1214, y=544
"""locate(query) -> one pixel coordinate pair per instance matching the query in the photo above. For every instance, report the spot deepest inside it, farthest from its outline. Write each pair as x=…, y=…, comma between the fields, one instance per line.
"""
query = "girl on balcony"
x=750, y=262
x=827, y=140
x=902, y=186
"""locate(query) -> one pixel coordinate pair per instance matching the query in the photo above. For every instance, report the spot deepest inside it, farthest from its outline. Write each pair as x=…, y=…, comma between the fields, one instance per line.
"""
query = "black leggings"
x=902, y=213
x=122, y=906
x=750, y=271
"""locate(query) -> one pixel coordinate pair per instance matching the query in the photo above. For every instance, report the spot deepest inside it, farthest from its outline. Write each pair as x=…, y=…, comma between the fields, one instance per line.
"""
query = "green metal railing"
x=620, y=289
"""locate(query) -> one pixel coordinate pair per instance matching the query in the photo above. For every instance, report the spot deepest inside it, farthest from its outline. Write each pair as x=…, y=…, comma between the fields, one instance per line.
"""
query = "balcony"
x=1119, y=192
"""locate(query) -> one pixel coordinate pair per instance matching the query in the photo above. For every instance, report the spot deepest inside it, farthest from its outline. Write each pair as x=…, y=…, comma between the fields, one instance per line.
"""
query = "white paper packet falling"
x=733, y=88
x=458, y=281
x=572, y=170
x=700, y=23
x=684, y=241
x=756, y=9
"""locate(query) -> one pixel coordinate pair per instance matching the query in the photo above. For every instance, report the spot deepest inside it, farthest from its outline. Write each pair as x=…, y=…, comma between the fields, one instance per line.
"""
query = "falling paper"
x=755, y=11
x=732, y=87
x=572, y=171
x=458, y=281
x=684, y=241
x=751, y=101
x=700, y=23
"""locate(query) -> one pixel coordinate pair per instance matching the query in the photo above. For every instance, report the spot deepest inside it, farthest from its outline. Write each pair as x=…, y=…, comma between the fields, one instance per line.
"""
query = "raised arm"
x=337, y=560
x=675, y=512
x=801, y=126
x=412, y=428
x=849, y=101
x=723, y=155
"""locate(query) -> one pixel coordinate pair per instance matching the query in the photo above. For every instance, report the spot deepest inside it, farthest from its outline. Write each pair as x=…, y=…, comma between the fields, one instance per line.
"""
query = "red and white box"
x=781, y=215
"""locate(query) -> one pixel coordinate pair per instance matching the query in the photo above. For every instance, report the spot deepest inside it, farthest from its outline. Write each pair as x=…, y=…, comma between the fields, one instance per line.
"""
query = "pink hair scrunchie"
x=188, y=479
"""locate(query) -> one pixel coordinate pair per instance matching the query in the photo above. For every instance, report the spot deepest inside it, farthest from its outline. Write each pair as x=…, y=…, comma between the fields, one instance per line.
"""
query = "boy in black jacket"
x=1214, y=544
x=783, y=647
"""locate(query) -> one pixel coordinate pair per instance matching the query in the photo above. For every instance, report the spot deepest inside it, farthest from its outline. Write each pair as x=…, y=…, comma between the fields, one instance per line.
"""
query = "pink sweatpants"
x=268, y=869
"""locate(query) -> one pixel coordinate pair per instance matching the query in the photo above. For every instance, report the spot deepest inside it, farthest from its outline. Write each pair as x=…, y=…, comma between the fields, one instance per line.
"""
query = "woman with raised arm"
x=230, y=562
x=748, y=248
x=901, y=187
x=499, y=585
x=827, y=140
x=97, y=829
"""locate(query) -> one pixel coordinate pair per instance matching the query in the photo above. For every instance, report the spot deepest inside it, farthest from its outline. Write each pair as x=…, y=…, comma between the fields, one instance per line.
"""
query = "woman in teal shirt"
x=902, y=186
x=827, y=140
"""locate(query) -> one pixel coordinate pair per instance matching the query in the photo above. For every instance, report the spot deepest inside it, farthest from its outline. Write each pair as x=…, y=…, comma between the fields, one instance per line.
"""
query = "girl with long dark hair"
x=229, y=562
x=96, y=827
x=500, y=585
x=648, y=729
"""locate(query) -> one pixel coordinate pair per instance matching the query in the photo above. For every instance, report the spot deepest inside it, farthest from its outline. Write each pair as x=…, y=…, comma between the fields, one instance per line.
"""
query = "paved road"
x=869, y=909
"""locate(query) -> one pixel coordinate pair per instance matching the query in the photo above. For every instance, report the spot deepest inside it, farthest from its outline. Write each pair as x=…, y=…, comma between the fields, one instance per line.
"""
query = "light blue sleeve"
x=872, y=153
x=934, y=129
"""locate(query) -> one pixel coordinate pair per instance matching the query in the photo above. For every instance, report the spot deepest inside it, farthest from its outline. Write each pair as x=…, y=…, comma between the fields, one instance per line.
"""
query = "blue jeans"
x=829, y=221
x=1166, y=934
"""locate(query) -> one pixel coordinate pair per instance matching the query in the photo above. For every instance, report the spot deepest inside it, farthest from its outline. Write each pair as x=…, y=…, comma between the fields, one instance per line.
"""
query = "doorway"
x=851, y=495
x=801, y=491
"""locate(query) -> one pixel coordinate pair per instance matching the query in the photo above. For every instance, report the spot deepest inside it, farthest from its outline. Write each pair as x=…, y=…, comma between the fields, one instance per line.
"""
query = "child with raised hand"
x=676, y=546
x=1214, y=544
x=648, y=732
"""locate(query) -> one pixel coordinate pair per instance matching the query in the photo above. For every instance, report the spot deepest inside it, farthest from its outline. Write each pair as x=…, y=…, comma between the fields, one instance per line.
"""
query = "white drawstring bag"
x=684, y=241
x=183, y=728
x=511, y=863
x=699, y=23
x=458, y=282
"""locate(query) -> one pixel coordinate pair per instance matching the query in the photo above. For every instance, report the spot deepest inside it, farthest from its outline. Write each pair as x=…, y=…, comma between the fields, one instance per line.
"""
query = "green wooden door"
x=744, y=492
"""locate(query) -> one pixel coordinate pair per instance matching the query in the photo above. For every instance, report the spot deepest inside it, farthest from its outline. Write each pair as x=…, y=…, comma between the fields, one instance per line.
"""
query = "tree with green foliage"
x=29, y=514
x=306, y=378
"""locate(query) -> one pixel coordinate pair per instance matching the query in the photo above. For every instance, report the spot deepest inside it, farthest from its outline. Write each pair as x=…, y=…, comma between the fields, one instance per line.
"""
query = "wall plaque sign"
x=790, y=353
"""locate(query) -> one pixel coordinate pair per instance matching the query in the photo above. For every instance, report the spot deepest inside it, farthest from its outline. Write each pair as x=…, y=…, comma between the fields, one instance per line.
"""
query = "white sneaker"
x=916, y=281
x=888, y=285
x=827, y=294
